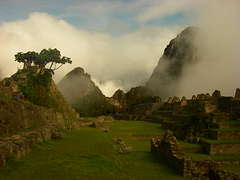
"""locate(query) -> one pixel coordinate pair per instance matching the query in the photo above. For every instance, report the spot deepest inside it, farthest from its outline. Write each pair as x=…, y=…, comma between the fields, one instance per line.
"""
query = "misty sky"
x=119, y=42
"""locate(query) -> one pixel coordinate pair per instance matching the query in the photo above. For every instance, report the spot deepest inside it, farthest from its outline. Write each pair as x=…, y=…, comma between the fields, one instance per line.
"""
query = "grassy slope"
x=89, y=154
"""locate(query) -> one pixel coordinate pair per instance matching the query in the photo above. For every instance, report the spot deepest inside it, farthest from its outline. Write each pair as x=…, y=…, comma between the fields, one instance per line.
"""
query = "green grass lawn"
x=89, y=153
x=135, y=133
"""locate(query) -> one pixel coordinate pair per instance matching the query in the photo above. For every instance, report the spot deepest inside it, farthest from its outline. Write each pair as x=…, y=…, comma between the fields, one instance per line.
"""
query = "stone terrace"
x=208, y=127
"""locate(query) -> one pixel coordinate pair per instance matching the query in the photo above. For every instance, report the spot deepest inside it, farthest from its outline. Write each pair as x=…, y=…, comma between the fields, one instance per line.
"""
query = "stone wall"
x=228, y=134
x=139, y=112
x=23, y=124
x=19, y=145
x=16, y=117
x=167, y=147
x=226, y=125
x=218, y=148
x=222, y=175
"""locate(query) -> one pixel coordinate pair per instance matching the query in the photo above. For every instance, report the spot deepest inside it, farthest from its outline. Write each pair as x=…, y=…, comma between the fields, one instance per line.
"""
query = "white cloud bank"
x=113, y=61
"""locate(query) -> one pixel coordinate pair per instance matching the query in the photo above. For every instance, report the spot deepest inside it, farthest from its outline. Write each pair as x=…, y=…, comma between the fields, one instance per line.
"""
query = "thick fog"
x=218, y=50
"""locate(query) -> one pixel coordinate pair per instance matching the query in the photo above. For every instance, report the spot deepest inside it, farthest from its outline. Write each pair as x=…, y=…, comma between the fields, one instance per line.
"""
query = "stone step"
x=220, y=147
x=164, y=113
x=233, y=168
x=156, y=118
x=233, y=159
x=228, y=124
x=224, y=134
x=168, y=124
x=182, y=117
x=221, y=117
x=172, y=123
x=191, y=148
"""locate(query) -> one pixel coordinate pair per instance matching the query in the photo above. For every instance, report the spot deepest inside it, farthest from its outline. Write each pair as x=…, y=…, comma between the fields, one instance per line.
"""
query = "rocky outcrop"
x=19, y=145
x=121, y=146
x=180, y=52
x=184, y=101
x=29, y=89
x=139, y=95
x=32, y=110
x=82, y=93
x=194, y=97
x=216, y=94
x=136, y=104
x=18, y=116
x=119, y=101
x=203, y=97
x=237, y=94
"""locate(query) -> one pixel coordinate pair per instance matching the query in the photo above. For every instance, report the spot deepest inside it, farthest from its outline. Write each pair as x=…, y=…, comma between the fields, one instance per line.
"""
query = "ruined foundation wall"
x=23, y=124
x=167, y=147
x=19, y=145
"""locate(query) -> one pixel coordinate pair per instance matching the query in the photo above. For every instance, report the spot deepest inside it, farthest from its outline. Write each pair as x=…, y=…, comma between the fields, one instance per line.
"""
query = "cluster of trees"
x=46, y=56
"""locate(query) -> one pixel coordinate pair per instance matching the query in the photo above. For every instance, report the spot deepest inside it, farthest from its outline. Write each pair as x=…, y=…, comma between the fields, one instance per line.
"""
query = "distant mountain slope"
x=180, y=52
x=81, y=92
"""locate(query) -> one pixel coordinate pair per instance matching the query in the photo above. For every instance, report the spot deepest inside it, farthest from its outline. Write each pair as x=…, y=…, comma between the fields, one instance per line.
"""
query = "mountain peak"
x=82, y=93
x=78, y=71
x=181, y=51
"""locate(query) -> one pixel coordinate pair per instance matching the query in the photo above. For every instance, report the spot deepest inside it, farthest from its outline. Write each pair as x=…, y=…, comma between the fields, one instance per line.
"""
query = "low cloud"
x=218, y=48
x=113, y=61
